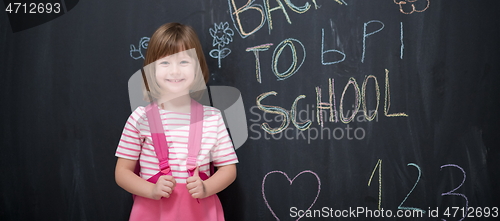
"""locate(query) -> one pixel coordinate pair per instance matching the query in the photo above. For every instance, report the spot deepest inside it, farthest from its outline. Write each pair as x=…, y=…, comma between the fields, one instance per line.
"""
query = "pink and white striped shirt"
x=216, y=146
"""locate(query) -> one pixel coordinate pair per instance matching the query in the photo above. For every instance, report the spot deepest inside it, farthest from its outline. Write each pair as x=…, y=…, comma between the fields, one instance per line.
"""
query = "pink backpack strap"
x=158, y=137
x=160, y=141
x=195, y=134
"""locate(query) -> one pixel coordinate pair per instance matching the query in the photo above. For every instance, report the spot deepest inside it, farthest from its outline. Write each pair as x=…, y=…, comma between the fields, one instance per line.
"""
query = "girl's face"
x=175, y=73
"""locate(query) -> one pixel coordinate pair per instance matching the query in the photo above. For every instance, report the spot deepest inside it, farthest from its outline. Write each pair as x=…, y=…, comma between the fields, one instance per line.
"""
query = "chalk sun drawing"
x=291, y=182
x=411, y=4
x=223, y=35
x=136, y=53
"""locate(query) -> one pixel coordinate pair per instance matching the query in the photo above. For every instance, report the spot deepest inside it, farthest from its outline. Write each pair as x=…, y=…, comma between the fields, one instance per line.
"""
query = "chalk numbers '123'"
x=449, y=211
x=33, y=8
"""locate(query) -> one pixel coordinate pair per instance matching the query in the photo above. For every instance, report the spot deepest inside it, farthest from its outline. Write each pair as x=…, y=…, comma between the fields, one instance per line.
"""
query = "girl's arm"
x=221, y=179
x=129, y=181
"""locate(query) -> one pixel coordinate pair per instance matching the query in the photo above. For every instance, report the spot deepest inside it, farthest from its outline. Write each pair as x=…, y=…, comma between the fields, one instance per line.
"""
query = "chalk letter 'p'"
x=368, y=34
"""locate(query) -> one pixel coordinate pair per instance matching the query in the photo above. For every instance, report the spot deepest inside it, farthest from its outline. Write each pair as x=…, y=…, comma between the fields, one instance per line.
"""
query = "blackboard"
x=426, y=72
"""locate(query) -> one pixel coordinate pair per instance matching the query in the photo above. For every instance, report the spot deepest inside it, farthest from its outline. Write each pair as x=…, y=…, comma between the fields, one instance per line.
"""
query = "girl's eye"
x=184, y=62
x=164, y=63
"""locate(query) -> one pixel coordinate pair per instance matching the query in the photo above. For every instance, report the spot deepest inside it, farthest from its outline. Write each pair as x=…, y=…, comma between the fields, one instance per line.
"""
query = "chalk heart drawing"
x=291, y=182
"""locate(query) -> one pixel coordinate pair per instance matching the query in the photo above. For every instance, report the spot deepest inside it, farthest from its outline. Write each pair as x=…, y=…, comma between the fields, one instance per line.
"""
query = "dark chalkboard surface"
x=354, y=109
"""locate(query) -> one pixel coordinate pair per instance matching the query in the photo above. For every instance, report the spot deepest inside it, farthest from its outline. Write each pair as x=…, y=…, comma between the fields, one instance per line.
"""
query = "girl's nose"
x=174, y=69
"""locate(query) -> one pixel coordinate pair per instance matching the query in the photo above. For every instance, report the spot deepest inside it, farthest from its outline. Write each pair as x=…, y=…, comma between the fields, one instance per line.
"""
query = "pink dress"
x=180, y=205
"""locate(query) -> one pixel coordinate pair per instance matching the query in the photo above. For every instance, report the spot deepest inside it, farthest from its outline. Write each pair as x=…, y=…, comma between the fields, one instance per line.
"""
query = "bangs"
x=173, y=45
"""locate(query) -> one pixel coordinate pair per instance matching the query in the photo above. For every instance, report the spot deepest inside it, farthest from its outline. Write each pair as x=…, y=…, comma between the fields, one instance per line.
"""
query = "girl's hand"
x=195, y=186
x=163, y=187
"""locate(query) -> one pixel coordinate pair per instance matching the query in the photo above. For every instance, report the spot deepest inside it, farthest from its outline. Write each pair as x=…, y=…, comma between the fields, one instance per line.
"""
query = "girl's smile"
x=175, y=80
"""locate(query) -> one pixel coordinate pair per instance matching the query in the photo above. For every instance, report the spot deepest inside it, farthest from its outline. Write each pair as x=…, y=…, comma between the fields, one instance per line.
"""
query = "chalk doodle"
x=256, y=50
x=136, y=53
x=411, y=4
x=223, y=35
x=291, y=182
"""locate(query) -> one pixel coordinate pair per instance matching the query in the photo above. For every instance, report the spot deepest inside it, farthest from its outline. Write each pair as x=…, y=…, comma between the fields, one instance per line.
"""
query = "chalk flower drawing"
x=222, y=35
x=411, y=4
x=136, y=53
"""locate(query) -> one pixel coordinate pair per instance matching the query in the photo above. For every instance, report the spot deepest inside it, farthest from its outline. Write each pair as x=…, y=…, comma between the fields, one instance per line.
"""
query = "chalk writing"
x=238, y=11
x=256, y=50
x=222, y=36
x=323, y=52
x=360, y=99
x=298, y=9
x=295, y=64
x=452, y=192
x=342, y=2
x=326, y=105
x=363, y=97
x=301, y=126
x=235, y=14
x=449, y=193
x=291, y=182
x=283, y=112
x=415, y=185
x=265, y=12
x=401, y=39
x=365, y=35
x=274, y=110
x=269, y=10
x=136, y=53
x=356, y=101
x=293, y=67
x=411, y=4
x=379, y=166
x=387, y=103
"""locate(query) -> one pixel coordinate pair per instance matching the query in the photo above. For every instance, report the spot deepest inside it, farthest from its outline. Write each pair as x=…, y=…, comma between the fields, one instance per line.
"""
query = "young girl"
x=172, y=185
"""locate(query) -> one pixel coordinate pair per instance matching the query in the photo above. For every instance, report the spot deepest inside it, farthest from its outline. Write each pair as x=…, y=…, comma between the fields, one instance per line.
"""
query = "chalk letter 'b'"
x=323, y=52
